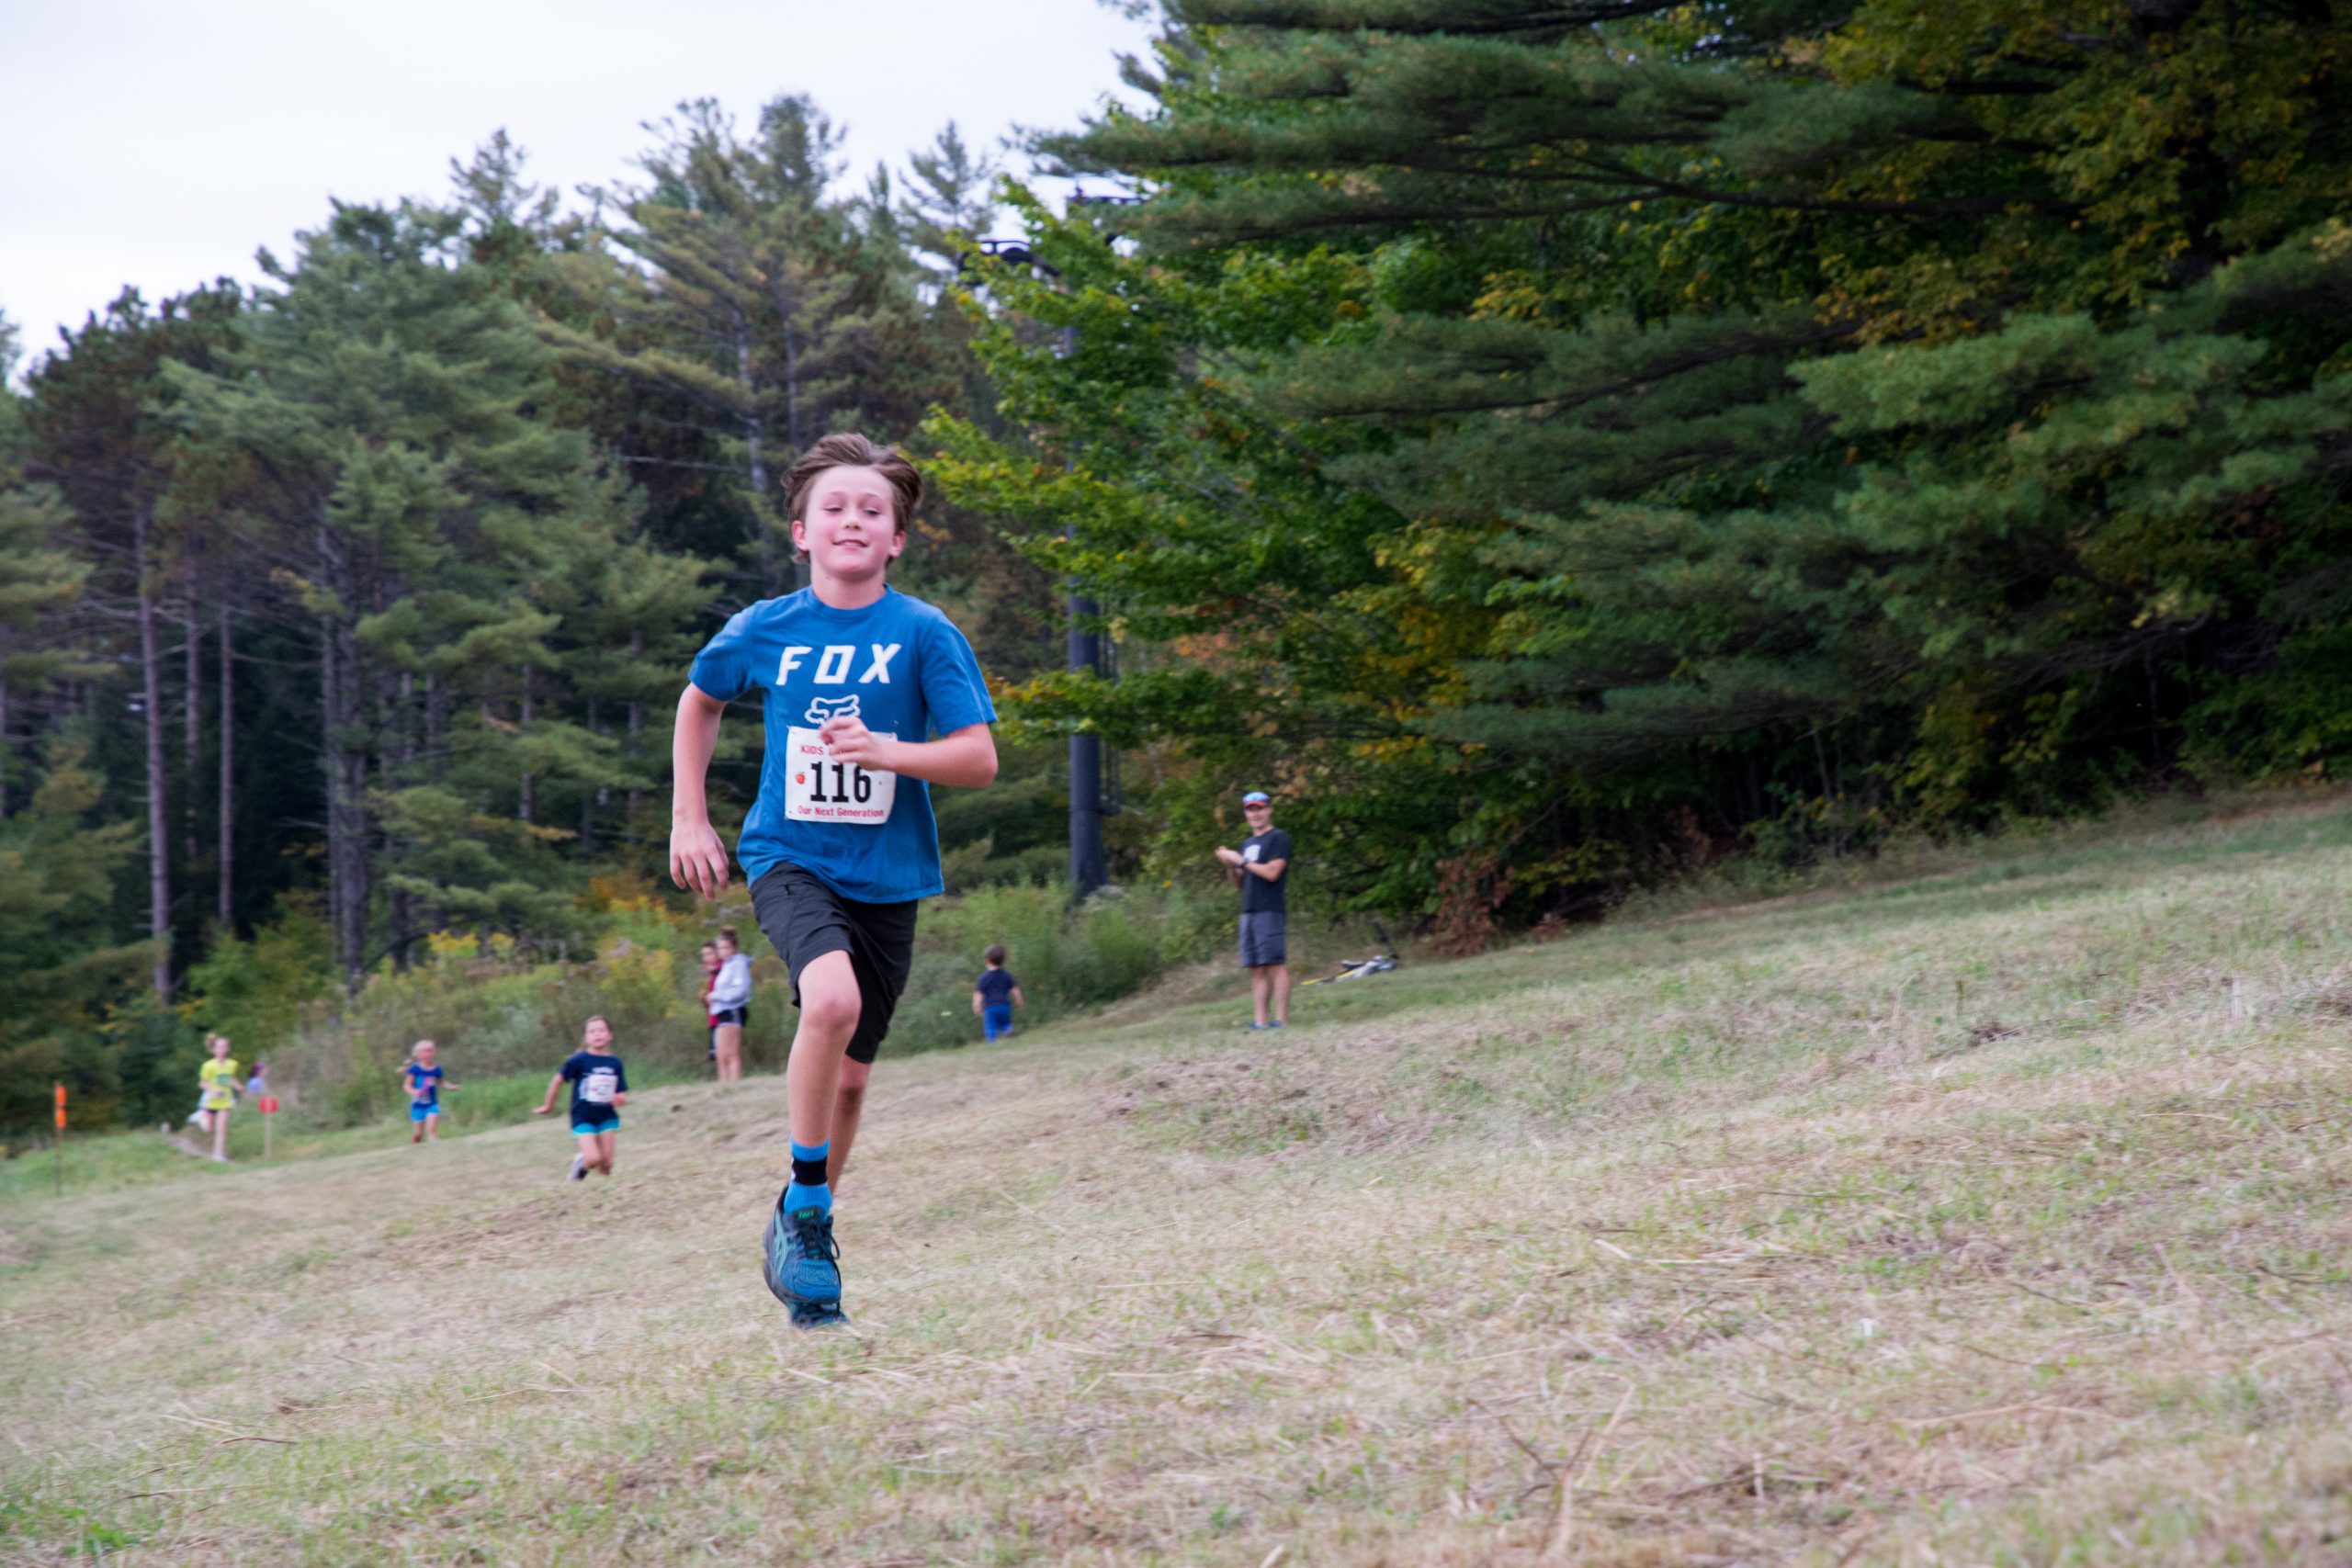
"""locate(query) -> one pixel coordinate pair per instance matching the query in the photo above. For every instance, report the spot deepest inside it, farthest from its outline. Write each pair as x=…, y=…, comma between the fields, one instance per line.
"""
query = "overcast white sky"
x=160, y=142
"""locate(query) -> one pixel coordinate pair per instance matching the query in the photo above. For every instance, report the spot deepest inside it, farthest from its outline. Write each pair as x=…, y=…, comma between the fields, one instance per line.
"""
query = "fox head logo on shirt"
x=822, y=708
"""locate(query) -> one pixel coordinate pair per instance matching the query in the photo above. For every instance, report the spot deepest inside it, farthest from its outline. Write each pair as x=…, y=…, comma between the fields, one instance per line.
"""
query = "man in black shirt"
x=1260, y=868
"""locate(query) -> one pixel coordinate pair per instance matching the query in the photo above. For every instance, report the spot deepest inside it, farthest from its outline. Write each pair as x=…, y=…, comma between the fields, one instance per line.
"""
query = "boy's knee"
x=830, y=1006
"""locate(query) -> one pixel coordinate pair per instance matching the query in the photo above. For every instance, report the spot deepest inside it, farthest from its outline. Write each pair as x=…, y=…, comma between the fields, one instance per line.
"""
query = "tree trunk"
x=192, y=745
x=4, y=752
x=436, y=727
x=225, y=901
x=636, y=719
x=159, y=870
x=529, y=804
x=346, y=770
x=755, y=466
x=793, y=433
x=590, y=799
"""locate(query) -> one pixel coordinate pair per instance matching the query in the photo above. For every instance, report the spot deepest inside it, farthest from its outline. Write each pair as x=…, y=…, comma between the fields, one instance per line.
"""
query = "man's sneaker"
x=579, y=1168
x=800, y=1261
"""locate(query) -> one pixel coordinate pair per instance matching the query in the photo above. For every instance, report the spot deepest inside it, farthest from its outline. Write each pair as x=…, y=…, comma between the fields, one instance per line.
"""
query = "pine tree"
x=93, y=427
x=1646, y=306
x=739, y=312
x=411, y=494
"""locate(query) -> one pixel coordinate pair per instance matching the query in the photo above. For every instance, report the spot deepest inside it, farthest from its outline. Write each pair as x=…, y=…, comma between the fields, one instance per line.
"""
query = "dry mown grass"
x=1998, y=1221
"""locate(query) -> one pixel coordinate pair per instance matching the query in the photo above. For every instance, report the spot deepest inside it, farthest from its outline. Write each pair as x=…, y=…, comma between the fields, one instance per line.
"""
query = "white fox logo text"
x=822, y=708
x=835, y=660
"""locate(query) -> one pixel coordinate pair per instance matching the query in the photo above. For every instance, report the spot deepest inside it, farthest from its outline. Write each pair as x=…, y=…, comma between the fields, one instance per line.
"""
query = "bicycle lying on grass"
x=1357, y=968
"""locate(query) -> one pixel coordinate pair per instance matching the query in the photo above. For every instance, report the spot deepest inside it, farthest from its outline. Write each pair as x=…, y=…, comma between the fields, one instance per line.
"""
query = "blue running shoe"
x=820, y=1314
x=800, y=1260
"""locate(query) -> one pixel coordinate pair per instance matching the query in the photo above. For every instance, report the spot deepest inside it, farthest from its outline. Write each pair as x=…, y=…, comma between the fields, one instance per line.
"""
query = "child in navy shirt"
x=870, y=698
x=995, y=994
x=599, y=1089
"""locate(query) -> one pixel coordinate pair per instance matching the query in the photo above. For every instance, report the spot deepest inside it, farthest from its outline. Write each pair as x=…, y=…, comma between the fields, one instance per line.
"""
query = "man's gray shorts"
x=1261, y=938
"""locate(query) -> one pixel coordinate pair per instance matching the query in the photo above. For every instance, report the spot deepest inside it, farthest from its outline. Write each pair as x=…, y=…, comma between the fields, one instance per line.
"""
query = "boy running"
x=599, y=1089
x=857, y=680
x=995, y=994
x=422, y=1080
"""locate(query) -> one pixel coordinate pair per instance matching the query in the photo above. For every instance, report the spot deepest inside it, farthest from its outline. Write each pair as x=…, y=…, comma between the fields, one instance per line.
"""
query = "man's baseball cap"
x=1257, y=796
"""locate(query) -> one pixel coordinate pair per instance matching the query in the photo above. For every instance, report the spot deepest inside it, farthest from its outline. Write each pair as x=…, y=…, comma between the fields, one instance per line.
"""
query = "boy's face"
x=1258, y=814
x=849, y=528
x=710, y=955
x=220, y=1048
x=598, y=1034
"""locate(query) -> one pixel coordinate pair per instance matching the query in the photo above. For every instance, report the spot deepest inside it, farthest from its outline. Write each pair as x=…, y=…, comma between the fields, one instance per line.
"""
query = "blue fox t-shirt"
x=898, y=664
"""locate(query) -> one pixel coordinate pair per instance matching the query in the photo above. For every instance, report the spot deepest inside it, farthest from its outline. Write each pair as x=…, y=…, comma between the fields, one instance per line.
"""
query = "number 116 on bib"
x=819, y=789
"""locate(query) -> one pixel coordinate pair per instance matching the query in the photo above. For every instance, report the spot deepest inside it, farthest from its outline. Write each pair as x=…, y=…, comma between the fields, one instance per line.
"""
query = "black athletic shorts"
x=736, y=1016
x=806, y=920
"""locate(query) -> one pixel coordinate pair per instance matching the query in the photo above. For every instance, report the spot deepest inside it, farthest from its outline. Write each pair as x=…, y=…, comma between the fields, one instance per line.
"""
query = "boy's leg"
x=849, y=1105
x=1281, y=986
x=1261, y=986
x=829, y=1011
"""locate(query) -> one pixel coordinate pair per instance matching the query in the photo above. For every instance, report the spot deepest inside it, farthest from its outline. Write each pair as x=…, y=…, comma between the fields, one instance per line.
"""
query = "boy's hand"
x=1229, y=856
x=697, y=858
x=541, y=1110
x=846, y=737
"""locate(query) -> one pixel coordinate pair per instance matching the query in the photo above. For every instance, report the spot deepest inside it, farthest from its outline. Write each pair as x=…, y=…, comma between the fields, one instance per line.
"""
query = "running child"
x=995, y=994
x=870, y=697
x=217, y=1084
x=423, y=1078
x=599, y=1089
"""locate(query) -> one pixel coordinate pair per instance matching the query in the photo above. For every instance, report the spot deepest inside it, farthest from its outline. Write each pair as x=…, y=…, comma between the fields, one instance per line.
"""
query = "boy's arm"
x=1017, y=1000
x=1269, y=869
x=697, y=858
x=965, y=758
x=979, y=999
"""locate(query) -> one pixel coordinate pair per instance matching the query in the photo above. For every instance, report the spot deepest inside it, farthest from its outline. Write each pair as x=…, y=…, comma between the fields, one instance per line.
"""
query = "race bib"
x=597, y=1089
x=818, y=789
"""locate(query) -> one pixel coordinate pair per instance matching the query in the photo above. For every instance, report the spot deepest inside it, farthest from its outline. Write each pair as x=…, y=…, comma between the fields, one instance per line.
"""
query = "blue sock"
x=808, y=1189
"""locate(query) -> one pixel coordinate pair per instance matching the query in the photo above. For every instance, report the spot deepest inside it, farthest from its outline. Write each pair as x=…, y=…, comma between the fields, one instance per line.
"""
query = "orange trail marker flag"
x=268, y=1110
x=61, y=1140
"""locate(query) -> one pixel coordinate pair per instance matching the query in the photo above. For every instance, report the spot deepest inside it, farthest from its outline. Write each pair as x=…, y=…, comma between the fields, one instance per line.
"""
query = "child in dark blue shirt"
x=599, y=1089
x=995, y=994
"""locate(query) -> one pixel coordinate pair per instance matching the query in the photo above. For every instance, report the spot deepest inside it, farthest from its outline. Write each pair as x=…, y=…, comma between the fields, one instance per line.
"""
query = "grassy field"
x=1994, y=1217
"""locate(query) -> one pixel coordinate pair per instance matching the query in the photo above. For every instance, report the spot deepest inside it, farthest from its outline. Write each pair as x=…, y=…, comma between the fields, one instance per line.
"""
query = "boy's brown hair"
x=994, y=956
x=851, y=450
